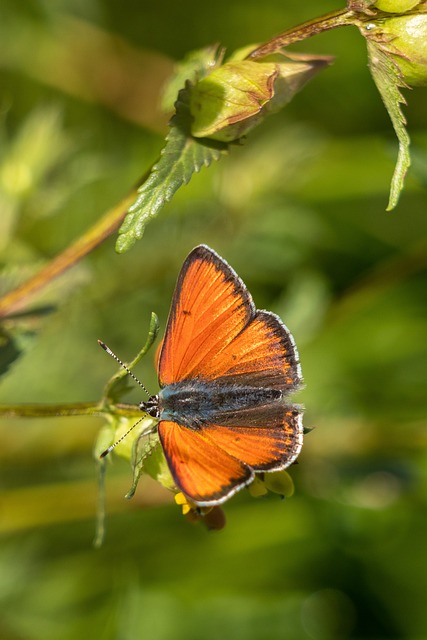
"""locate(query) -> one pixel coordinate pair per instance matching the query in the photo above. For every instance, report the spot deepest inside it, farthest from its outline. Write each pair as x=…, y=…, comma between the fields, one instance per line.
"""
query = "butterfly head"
x=151, y=406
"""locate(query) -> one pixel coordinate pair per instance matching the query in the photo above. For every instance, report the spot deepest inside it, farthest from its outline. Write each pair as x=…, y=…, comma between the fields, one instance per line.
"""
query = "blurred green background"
x=299, y=212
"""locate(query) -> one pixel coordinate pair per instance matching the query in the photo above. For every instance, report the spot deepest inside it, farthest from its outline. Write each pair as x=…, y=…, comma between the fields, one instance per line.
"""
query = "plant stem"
x=49, y=410
x=67, y=409
x=14, y=300
x=339, y=18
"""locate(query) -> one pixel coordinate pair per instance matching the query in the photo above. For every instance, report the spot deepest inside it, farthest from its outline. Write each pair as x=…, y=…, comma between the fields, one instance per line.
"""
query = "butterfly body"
x=225, y=372
x=194, y=402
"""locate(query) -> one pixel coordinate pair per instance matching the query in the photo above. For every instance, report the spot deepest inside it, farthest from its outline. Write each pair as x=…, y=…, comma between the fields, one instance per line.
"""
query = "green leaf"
x=279, y=482
x=156, y=467
x=145, y=446
x=182, y=156
x=388, y=78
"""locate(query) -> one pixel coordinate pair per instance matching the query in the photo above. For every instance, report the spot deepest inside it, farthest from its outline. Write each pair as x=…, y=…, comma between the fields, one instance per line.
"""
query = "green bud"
x=279, y=482
x=257, y=488
x=228, y=102
x=396, y=6
x=408, y=44
x=235, y=97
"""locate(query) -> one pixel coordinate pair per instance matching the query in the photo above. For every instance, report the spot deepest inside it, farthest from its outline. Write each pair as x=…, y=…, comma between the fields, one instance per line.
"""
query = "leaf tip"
x=124, y=242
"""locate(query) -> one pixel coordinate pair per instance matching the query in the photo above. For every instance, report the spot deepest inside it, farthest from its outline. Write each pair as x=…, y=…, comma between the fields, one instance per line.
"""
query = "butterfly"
x=225, y=370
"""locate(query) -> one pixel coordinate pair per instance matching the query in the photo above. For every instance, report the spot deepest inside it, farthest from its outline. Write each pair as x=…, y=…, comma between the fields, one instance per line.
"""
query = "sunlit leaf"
x=144, y=447
x=182, y=156
x=387, y=77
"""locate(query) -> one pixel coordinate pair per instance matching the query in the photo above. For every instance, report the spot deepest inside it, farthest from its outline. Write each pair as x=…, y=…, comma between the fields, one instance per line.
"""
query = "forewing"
x=215, y=331
x=263, y=354
x=203, y=471
x=209, y=308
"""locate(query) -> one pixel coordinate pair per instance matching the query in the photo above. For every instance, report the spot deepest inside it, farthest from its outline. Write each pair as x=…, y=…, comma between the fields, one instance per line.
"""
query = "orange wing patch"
x=263, y=354
x=204, y=472
x=214, y=330
x=262, y=448
x=210, y=307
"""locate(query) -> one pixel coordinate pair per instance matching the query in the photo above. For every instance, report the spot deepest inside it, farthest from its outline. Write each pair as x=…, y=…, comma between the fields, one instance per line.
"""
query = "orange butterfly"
x=225, y=370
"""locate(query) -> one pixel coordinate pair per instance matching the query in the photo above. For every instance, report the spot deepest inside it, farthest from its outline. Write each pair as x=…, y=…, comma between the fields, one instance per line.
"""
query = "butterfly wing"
x=214, y=331
x=204, y=472
x=269, y=442
x=211, y=464
x=215, y=334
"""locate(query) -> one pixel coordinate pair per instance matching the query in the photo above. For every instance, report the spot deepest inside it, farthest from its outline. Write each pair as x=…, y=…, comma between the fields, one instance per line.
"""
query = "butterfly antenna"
x=144, y=433
x=122, y=364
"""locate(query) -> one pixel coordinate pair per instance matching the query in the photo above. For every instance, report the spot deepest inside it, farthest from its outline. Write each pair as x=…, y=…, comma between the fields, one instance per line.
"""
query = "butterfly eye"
x=151, y=406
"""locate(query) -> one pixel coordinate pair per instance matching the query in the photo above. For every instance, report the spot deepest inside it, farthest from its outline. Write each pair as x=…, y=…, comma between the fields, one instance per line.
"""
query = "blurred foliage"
x=299, y=213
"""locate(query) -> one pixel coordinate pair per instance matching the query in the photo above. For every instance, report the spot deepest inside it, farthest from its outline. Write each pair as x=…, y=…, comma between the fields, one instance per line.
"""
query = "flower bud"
x=231, y=100
x=395, y=6
x=408, y=44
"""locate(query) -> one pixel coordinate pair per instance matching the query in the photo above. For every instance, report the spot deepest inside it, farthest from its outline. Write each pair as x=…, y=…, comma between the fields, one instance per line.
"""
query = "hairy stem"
x=67, y=409
x=340, y=18
x=15, y=300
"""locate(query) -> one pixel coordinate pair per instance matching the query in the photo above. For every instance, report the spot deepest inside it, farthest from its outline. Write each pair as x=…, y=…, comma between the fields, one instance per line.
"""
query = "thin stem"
x=67, y=409
x=16, y=299
x=49, y=410
x=339, y=18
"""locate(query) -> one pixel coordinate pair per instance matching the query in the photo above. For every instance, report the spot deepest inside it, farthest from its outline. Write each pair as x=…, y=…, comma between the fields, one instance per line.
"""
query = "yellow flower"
x=212, y=517
x=182, y=501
